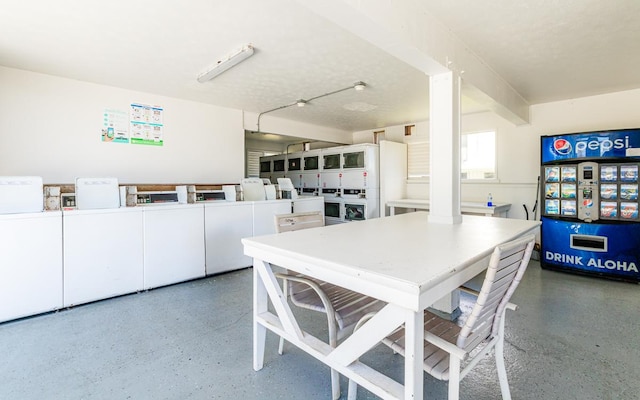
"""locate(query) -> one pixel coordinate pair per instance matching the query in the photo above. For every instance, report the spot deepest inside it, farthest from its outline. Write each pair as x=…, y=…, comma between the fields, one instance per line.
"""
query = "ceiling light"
x=359, y=86
x=229, y=61
x=301, y=103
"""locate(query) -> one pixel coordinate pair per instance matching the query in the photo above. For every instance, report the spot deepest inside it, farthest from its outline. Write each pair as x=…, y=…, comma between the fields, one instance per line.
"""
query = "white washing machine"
x=103, y=253
x=174, y=249
x=30, y=263
x=226, y=223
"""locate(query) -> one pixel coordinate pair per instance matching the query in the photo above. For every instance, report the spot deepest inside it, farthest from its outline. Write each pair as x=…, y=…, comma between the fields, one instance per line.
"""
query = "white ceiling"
x=547, y=50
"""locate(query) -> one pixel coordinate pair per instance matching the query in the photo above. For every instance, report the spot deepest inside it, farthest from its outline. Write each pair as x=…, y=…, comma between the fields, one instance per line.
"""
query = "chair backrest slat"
x=298, y=221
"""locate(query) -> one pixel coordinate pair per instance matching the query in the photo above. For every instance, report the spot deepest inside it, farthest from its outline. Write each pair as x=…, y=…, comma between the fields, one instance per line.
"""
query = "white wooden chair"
x=450, y=350
x=344, y=308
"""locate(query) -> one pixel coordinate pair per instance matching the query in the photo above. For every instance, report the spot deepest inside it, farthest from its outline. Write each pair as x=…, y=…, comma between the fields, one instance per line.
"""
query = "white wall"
x=518, y=152
x=50, y=127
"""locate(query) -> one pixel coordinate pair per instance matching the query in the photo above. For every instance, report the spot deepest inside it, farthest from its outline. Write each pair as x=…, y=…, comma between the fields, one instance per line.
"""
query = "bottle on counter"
x=489, y=200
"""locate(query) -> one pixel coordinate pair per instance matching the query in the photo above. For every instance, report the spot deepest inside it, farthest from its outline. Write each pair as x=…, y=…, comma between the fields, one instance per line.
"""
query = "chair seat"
x=436, y=360
x=349, y=306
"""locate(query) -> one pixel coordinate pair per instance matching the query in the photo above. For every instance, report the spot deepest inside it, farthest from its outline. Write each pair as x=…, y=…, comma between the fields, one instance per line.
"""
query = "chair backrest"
x=297, y=221
x=506, y=268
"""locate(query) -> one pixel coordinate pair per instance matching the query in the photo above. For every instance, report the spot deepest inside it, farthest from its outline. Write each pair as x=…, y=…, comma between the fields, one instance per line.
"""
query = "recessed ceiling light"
x=359, y=86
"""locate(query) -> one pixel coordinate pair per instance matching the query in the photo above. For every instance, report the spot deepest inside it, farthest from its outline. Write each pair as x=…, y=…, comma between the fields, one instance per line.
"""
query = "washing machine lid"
x=21, y=194
x=97, y=193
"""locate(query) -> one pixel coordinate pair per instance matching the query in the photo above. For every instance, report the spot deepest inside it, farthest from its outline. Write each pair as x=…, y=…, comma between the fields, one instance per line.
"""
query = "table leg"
x=414, y=356
x=260, y=302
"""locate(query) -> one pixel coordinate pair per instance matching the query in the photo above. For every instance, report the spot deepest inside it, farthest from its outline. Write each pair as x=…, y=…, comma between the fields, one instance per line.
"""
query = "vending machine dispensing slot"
x=590, y=243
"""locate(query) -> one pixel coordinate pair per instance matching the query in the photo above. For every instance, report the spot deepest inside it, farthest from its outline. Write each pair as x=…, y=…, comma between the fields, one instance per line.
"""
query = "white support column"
x=444, y=137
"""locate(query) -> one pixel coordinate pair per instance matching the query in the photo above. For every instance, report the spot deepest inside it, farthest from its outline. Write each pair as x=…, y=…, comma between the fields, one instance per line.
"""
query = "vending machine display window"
x=608, y=173
x=629, y=173
x=609, y=209
x=608, y=191
x=568, y=191
x=552, y=174
x=552, y=207
x=331, y=161
x=628, y=192
x=569, y=208
x=568, y=174
x=294, y=164
x=629, y=211
x=552, y=190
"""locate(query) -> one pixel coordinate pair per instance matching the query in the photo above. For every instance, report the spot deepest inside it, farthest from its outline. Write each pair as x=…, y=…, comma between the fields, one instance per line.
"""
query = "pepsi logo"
x=562, y=146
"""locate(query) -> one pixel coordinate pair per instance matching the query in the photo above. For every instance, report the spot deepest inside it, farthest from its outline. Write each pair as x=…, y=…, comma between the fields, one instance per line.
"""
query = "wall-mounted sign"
x=115, y=126
x=146, y=124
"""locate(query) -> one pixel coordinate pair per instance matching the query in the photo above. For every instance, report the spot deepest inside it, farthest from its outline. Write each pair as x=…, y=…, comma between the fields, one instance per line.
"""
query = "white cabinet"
x=103, y=254
x=30, y=264
x=225, y=224
x=174, y=248
x=263, y=212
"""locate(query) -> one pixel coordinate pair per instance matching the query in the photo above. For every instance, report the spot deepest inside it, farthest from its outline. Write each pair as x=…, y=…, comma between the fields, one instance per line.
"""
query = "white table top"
x=400, y=259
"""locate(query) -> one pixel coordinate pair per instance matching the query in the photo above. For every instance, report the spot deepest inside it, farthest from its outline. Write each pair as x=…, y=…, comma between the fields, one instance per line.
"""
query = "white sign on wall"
x=146, y=124
x=115, y=126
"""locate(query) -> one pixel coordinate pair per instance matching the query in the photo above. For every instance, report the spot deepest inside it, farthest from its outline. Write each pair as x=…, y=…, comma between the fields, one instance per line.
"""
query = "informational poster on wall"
x=146, y=124
x=115, y=126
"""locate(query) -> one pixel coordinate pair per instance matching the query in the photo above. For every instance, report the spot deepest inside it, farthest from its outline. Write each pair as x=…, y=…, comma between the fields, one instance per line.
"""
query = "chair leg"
x=285, y=294
x=502, y=371
x=335, y=376
x=454, y=378
x=281, y=346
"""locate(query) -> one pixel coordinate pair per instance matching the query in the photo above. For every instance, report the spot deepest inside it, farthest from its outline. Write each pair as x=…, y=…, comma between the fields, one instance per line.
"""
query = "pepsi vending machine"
x=590, y=220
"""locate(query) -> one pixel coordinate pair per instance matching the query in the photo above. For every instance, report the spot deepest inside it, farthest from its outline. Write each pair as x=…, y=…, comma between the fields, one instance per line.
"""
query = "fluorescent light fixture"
x=229, y=61
x=359, y=86
x=301, y=103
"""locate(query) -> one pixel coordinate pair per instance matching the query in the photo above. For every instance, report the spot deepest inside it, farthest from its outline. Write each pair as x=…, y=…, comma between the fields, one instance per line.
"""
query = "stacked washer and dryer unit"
x=346, y=176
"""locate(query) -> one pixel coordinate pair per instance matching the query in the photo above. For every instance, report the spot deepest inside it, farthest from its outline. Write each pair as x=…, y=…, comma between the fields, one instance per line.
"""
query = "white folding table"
x=466, y=207
x=403, y=260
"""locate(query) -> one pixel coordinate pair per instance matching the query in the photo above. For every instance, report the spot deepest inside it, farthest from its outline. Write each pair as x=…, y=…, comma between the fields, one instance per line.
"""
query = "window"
x=418, y=160
x=478, y=155
x=253, y=162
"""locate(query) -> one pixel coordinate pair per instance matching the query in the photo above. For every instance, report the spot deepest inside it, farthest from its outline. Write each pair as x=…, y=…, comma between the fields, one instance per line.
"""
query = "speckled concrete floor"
x=573, y=338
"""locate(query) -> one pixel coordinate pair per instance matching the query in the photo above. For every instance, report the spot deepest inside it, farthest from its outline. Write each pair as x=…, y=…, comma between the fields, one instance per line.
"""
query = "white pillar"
x=444, y=147
x=444, y=137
